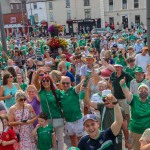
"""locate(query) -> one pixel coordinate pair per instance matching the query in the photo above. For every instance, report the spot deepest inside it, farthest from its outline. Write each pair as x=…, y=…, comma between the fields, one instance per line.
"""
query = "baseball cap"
x=143, y=85
x=115, y=45
x=89, y=117
x=118, y=65
x=139, y=70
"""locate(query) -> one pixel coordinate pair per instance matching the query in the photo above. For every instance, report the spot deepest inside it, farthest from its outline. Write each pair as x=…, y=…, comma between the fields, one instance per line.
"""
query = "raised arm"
x=126, y=92
x=116, y=126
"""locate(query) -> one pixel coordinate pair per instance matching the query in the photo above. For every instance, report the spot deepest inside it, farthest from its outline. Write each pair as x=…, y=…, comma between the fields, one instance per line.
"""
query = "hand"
x=4, y=143
x=110, y=98
x=128, y=145
x=0, y=141
x=38, y=126
x=122, y=81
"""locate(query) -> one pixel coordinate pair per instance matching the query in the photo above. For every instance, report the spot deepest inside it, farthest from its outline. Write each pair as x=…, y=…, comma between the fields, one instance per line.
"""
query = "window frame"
x=124, y=8
x=51, y=13
x=86, y=12
x=111, y=5
x=67, y=3
x=136, y=3
x=68, y=12
x=50, y=4
x=34, y=4
x=86, y=2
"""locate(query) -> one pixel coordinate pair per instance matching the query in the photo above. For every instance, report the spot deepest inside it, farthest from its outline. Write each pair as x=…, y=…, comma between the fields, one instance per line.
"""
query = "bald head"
x=66, y=82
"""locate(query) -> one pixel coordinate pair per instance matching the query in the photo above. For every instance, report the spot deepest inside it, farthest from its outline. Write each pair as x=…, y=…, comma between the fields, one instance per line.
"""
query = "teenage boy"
x=45, y=133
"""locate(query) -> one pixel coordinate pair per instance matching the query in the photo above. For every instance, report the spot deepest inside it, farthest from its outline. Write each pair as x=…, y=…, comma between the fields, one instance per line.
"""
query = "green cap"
x=138, y=70
x=73, y=148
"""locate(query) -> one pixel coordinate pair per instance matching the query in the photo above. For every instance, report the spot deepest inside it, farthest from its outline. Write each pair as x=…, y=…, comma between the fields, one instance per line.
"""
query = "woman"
x=17, y=59
x=131, y=66
x=145, y=140
x=21, y=118
x=21, y=82
x=131, y=52
x=140, y=112
x=67, y=64
x=30, y=69
x=4, y=59
x=8, y=90
x=58, y=57
x=106, y=69
x=108, y=55
x=33, y=100
x=49, y=61
x=147, y=74
x=50, y=105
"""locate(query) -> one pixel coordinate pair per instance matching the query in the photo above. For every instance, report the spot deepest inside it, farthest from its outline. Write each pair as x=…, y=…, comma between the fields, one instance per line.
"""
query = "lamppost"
x=148, y=23
x=3, y=36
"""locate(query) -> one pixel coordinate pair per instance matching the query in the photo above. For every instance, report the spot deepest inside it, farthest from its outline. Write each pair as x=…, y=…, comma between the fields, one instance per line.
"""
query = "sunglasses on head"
x=46, y=80
x=65, y=83
x=22, y=99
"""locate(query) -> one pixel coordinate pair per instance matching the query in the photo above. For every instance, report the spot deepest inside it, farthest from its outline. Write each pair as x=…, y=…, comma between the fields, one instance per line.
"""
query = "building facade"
x=75, y=15
x=125, y=12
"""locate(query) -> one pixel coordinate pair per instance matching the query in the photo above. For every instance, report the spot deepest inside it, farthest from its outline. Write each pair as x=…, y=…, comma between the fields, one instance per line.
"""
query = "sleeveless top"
x=48, y=62
x=7, y=91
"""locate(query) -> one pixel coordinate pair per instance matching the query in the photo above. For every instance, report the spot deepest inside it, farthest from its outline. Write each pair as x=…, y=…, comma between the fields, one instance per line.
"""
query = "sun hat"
x=90, y=56
x=89, y=117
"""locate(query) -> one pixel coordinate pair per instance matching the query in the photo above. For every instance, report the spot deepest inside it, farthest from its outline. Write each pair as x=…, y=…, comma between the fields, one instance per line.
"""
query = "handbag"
x=18, y=134
x=57, y=122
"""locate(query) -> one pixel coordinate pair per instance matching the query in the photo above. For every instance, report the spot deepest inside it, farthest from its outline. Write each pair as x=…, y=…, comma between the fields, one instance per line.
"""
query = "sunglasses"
x=91, y=51
x=65, y=83
x=41, y=75
x=22, y=99
x=45, y=81
x=10, y=76
x=40, y=65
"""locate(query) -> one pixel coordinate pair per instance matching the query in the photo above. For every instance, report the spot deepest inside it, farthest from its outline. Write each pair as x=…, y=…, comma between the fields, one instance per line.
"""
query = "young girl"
x=8, y=136
x=45, y=133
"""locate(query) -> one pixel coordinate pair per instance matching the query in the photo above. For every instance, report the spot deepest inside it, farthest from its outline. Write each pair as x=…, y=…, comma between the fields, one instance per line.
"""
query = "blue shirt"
x=105, y=141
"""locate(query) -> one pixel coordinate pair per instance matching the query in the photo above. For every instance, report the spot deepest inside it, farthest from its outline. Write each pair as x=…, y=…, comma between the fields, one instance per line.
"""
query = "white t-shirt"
x=142, y=61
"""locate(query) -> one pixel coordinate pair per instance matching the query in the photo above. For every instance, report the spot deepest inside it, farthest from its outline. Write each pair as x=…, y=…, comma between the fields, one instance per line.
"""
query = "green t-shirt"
x=140, y=115
x=23, y=86
x=82, y=42
x=71, y=105
x=119, y=59
x=131, y=71
x=24, y=49
x=48, y=99
x=45, y=137
x=68, y=64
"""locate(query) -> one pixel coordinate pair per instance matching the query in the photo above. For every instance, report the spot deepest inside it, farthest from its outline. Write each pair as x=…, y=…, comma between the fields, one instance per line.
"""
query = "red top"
x=8, y=136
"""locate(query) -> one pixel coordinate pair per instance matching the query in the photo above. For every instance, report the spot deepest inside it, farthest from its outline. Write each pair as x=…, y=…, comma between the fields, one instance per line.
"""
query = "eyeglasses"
x=45, y=81
x=22, y=99
x=65, y=83
x=31, y=91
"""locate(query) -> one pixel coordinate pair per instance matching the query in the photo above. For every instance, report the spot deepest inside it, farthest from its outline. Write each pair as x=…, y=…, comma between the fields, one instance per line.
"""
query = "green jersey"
x=49, y=105
x=131, y=71
x=71, y=105
x=23, y=86
x=140, y=112
x=45, y=137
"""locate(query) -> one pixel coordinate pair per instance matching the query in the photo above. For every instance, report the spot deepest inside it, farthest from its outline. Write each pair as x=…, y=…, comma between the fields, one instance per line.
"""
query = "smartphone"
x=24, y=121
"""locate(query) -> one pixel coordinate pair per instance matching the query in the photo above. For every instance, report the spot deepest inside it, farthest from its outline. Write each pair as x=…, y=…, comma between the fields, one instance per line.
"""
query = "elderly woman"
x=140, y=112
x=145, y=140
x=21, y=118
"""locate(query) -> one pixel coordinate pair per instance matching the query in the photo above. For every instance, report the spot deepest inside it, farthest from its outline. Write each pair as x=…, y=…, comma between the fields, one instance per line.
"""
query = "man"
x=143, y=59
x=138, y=46
x=139, y=78
x=106, y=110
x=62, y=69
x=31, y=54
x=97, y=45
x=97, y=139
x=71, y=109
x=114, y=80
x=89, y=60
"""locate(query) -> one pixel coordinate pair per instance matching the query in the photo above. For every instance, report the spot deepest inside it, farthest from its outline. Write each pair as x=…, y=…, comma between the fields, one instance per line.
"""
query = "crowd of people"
x=96, y=92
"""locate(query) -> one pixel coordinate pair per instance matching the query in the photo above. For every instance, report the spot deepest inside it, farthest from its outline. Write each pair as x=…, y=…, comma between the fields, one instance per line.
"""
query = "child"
x=8, y=136
x=45, y=133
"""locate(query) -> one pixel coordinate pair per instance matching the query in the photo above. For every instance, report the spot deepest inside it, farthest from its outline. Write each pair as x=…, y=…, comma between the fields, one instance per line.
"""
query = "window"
x=36, y=18
x=50, y=5
x=68, y=14
x=86, y=2
x=67, y=3
x=111, y=20
x=34, y=5
x=136, y=3
x=51, y=17
x=11, y=6
x=111, y=5
x=124, y=4
x=17, y=6
x=137, y=19
x=87, y=13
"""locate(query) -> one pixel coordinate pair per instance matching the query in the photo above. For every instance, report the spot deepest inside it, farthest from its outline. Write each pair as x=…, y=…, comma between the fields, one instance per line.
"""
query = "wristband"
x=114, y=103
x=124, y=86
